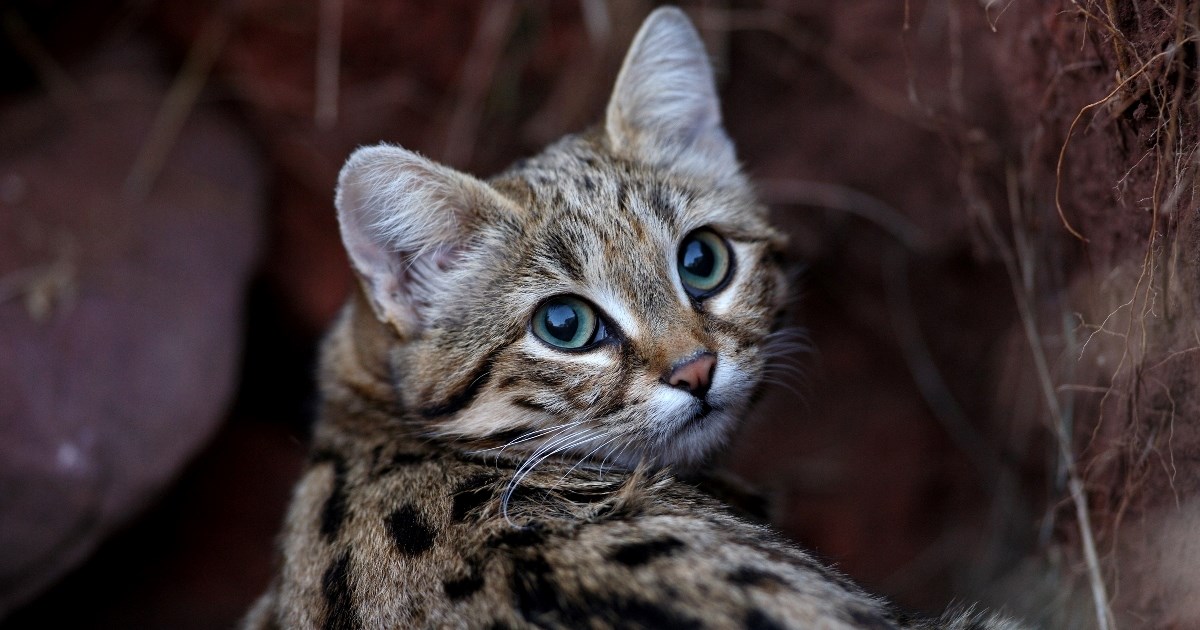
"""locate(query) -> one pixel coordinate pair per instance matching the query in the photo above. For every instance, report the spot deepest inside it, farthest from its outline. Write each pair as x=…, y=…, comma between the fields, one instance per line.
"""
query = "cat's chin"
x=688, y=443
x=695, y=441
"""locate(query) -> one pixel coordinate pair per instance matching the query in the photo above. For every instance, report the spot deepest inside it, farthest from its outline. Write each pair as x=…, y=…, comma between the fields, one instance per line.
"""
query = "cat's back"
x=440, y=539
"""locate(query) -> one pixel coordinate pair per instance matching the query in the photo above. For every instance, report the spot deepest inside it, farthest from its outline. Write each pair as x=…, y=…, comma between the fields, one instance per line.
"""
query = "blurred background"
x=992, y=201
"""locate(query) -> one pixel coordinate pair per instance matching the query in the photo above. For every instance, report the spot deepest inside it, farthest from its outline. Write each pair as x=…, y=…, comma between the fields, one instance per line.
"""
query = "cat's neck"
x=359, y=394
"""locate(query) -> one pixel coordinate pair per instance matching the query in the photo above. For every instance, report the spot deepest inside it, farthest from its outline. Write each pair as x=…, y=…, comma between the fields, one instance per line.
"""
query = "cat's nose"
x=693, y=374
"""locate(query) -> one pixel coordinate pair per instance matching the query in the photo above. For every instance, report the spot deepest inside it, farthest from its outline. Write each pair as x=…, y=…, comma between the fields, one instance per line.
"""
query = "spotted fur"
x=468, y=474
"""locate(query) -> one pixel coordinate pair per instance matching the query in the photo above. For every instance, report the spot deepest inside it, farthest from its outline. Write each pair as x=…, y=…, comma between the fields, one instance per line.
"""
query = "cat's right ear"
x=664, y=108
x=405, y=220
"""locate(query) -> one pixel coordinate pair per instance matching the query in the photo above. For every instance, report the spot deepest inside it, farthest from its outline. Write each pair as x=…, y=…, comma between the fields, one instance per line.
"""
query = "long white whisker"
x=544, y=452
x=525, y=437
x=583, y=459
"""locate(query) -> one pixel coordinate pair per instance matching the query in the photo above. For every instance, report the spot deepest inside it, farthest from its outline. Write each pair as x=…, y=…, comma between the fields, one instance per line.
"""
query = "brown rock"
x=120, y=313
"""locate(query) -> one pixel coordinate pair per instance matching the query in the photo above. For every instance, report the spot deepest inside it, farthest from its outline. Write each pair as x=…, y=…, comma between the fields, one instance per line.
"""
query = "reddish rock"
x=120, y=313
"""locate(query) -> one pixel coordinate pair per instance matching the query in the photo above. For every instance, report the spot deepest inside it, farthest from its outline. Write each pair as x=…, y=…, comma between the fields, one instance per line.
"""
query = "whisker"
x=525, y=437
x=543, y=453
x=583, y=459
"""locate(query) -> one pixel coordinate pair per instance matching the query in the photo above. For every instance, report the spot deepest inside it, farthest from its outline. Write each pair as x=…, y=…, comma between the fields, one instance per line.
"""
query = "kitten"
x=527, y=362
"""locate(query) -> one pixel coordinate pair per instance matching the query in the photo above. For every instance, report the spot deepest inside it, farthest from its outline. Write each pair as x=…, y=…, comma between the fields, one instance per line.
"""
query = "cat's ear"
x=405, y=221
x=664, y=108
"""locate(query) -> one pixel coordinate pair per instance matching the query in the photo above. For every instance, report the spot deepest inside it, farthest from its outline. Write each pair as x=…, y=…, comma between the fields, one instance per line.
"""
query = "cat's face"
x=607, y=299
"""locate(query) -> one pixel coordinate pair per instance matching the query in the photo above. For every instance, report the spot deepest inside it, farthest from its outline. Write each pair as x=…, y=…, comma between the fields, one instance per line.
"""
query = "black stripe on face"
x=661, y=206
x=566, y=254
x=456, y=401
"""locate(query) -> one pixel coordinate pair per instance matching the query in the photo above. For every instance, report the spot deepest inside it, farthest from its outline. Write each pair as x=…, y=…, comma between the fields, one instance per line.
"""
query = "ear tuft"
x=664, y=107
x=405, y=219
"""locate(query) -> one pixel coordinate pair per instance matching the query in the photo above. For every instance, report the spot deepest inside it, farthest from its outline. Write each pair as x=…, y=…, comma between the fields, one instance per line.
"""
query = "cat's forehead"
x=576, y=188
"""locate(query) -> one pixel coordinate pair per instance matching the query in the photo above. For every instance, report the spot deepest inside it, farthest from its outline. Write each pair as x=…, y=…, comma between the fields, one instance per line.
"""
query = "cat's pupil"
x=561, y=321
x=698, y=258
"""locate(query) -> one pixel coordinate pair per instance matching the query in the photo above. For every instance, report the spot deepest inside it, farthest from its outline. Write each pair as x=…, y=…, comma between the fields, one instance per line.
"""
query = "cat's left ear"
x=406, y=222
x=664, y=108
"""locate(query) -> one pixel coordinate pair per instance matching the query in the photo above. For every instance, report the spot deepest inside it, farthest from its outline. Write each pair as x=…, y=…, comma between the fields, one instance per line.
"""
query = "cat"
x=510, y=402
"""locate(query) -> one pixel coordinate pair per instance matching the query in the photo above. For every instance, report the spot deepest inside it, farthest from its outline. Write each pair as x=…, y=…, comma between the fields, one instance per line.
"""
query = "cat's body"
x=529, y=361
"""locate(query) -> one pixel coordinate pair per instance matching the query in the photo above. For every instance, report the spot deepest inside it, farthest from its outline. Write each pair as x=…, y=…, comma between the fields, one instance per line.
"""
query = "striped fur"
x=467, y=474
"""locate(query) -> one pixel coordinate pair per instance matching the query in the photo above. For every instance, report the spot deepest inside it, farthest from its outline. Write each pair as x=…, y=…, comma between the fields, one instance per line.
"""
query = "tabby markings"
x=638, y=553
x=751, y=576
x=541, y=602
x=410, y=531
x=456, y=401
x=462, y=587
x=334, y=511
x=340, y=613
x=758, y=620
x=527, y=536
x=470, y=495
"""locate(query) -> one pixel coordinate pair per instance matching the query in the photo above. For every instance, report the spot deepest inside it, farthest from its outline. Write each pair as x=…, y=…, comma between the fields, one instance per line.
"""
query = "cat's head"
x=606, y=299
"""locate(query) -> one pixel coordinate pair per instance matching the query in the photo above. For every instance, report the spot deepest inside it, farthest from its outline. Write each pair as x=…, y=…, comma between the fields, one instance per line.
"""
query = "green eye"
x=704, y=263
x=566, y=322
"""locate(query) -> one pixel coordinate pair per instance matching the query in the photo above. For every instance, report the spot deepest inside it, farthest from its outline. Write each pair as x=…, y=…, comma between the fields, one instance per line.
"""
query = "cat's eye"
x=704, y=263
x=567, y=322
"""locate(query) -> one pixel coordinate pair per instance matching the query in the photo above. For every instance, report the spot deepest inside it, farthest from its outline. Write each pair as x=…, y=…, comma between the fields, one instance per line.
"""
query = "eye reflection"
x=566, y=322
x=704, y=262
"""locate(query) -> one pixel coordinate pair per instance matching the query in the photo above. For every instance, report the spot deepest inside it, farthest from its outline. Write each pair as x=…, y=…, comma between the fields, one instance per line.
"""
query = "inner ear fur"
x=664, y=107
x=405, y=221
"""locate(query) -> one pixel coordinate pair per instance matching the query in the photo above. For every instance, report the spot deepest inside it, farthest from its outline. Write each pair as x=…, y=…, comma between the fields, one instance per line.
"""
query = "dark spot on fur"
x=758, y=620
x=527, y=536
x=471, y=494
x=410, y=531
x=340, y=613
x=638, y=553
x=463, y=587
x=456, y=401
x=535, y=592
x=540, y=601
x=334, y=511
x=408, y=459
x=751, y=576
x=869, y=620
x=589, y=184
x=638, y=613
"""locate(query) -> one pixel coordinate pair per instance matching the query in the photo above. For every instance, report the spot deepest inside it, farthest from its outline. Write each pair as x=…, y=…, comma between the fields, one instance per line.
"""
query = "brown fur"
x=467, y=474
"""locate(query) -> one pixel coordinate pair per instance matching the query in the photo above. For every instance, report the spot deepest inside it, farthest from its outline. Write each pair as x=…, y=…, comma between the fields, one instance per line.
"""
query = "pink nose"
x=693, y=374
